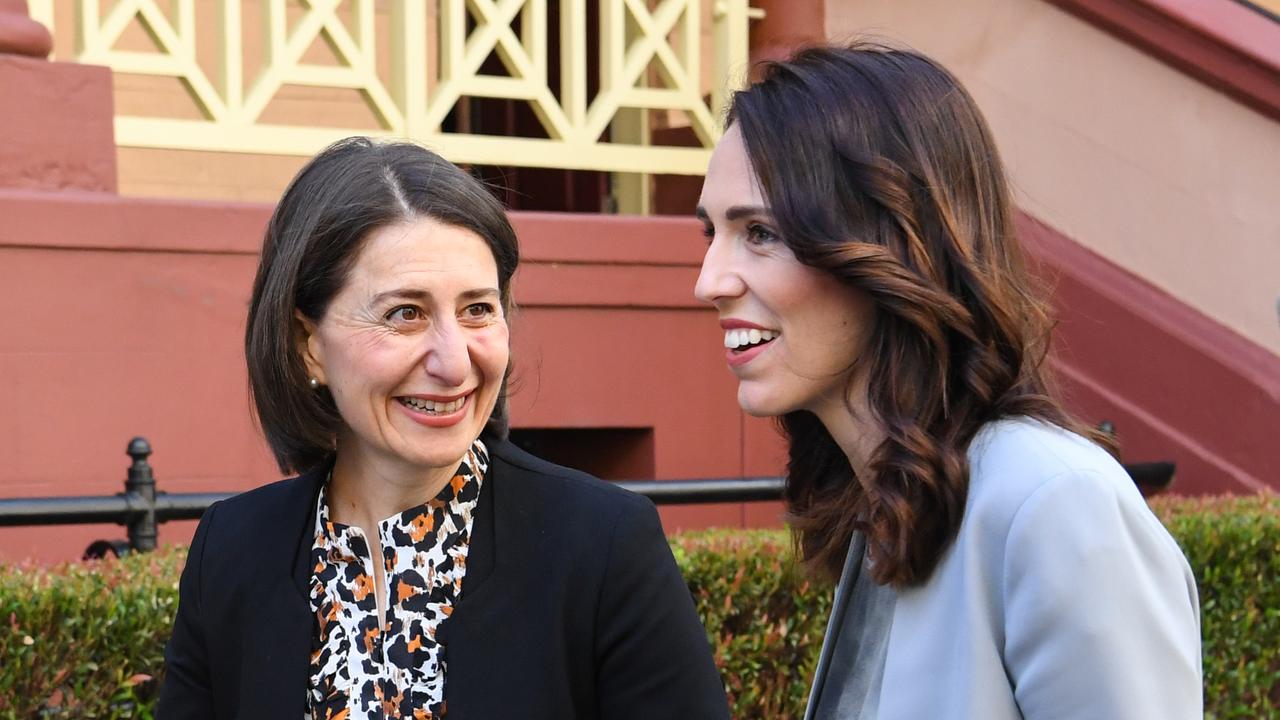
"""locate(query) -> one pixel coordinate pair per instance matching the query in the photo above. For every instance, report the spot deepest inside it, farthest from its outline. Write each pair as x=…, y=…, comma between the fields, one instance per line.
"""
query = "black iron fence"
x=141, y=508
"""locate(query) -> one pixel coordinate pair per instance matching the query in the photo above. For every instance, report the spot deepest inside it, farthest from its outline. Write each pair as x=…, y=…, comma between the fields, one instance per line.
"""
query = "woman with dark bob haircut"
x=420, y=566
x=992, y=559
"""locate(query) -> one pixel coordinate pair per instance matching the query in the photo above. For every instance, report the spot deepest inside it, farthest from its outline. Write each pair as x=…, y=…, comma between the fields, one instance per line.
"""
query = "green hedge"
x=86, y=640
x=1233, y=545
x=764, y=619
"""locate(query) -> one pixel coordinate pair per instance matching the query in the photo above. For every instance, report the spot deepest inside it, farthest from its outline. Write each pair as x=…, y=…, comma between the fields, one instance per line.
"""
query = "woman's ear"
x=307, y=343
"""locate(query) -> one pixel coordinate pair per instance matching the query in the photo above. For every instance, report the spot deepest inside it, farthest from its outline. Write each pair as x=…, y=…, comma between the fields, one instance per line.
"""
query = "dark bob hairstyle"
x=880, y=170
x=350, y=189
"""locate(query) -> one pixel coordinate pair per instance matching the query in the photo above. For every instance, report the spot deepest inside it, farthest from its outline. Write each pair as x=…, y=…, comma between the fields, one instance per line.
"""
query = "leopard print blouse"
x=359, y=670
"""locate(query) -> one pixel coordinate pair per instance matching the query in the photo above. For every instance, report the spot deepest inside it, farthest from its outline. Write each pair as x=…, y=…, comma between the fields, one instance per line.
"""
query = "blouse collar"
x=462, y=489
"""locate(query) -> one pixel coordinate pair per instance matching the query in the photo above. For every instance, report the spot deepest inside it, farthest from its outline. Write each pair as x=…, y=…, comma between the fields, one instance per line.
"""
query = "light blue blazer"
x=1062, y=597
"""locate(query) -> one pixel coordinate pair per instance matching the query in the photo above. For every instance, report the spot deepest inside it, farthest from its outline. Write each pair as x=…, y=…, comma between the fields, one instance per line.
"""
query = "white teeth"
x=431, y=406
x=737, y=338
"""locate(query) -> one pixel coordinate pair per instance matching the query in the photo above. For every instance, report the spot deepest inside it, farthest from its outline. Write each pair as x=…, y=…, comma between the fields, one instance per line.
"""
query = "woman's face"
x=414, y=346
x=792, y=333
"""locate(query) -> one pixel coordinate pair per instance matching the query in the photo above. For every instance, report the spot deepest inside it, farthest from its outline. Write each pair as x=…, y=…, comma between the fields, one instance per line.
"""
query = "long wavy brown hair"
x=880, y=170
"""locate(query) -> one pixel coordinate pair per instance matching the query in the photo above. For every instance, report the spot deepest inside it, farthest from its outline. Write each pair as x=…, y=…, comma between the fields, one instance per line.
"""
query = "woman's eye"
x=478, y=311
x=759, y=234
x=405, y=314
x=708, y=232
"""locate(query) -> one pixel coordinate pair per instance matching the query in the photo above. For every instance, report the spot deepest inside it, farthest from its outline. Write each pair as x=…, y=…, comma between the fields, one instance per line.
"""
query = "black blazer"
x=572, y=607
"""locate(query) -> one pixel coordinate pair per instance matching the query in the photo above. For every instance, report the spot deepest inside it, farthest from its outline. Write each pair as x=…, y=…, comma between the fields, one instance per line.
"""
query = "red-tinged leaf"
x=55, y=700
x=136, y=679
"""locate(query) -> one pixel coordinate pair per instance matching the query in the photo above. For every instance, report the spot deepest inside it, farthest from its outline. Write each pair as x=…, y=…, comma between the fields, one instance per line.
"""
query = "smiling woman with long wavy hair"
x=993, y=561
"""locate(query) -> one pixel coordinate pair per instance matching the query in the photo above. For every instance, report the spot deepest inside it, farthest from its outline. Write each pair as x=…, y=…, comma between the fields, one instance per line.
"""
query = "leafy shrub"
x=86, y=640
x=1233, y=545
x=764, y=619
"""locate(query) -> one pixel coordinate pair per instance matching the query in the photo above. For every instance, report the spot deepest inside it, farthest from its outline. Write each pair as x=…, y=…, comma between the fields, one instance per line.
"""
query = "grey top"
x=860, y=623
x=1059, y=582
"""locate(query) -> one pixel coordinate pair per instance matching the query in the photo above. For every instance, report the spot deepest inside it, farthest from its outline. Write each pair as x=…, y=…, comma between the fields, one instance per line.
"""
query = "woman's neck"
x=854, y=428
x=366, y=489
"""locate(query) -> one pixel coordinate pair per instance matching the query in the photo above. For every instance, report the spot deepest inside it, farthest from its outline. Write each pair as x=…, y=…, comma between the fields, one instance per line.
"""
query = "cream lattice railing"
x=413, y=61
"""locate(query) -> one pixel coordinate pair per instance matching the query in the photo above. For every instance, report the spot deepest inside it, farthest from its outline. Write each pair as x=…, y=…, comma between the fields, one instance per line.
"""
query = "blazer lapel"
x=276, y=653
x=482, y=556
x=848, y=576
x=281, y=658
x=302, y=527
x=462, y=634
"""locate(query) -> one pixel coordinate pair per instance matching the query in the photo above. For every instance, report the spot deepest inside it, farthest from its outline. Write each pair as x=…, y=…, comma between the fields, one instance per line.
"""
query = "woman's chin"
x=761, y=407
x=442, y=457
x=426, y=447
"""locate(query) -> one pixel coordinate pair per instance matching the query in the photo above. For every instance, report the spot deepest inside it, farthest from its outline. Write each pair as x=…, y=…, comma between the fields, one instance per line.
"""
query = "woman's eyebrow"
x=401, y=293
x=420, y=295
x=737, y=212
x=479, y=293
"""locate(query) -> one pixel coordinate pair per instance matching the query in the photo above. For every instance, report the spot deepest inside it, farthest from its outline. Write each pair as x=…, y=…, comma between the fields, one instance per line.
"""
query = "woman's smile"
x=435, y=411
x=745, y=341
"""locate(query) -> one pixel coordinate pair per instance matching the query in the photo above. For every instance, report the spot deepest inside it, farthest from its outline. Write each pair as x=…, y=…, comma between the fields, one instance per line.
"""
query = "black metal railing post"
x=140, y=491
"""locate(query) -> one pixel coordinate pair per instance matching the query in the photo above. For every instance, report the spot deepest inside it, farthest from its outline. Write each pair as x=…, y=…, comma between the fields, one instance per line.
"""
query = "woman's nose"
x=717, y=278
x=449, y=359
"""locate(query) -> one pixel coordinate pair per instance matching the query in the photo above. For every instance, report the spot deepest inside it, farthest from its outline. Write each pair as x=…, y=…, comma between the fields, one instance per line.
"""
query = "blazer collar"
x=304, y=524
x=844, y=588
x=482, y=556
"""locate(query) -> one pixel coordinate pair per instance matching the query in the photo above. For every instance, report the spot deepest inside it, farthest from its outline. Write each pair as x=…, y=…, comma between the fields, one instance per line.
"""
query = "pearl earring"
x=315, y=383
